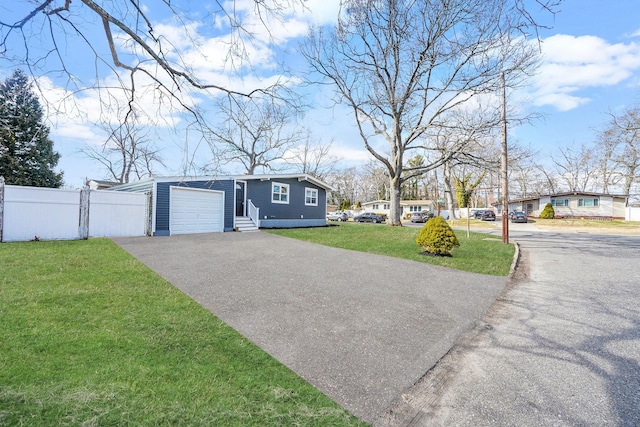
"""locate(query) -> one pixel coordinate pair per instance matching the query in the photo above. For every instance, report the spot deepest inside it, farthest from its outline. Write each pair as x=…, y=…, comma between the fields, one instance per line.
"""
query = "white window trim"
x=281, y=185
x=314, y=190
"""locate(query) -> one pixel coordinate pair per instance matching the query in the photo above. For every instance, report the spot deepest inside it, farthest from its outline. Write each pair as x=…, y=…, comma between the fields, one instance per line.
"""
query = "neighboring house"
x=406, y=206
x=246, y=202
x=97, y=184
x=576, y=204
x=377, y=206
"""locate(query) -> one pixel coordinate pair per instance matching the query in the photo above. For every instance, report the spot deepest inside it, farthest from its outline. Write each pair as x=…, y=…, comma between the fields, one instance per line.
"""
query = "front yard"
x=90, y=336
x=481, y=253
x=593, y=226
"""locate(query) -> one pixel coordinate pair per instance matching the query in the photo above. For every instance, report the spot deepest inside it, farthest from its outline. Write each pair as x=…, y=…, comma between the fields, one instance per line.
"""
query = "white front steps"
x=244, y=223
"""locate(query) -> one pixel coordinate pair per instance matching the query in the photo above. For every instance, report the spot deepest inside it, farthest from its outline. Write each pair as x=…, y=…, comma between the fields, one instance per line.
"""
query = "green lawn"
x=89, y=336
x=588, y=224
x=481, y=253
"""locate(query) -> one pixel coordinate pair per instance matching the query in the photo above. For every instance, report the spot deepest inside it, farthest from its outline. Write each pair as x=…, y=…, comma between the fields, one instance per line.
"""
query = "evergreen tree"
x=436, y=237
x=26, y=152
x=548, y=212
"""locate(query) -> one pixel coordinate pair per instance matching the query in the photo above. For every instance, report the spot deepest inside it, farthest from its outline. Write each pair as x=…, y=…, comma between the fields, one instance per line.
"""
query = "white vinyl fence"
x=632, y=213
x=33, y=213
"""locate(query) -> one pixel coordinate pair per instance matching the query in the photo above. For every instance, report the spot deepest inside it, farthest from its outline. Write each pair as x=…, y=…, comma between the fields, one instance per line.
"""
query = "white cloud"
x=350, y=155
x=561, y=101
x=322, y=12
x=573, y=64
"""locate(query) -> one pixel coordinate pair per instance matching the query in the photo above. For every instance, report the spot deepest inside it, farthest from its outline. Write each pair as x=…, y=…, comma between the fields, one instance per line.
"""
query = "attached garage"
x=209, y=204
x=194, y=210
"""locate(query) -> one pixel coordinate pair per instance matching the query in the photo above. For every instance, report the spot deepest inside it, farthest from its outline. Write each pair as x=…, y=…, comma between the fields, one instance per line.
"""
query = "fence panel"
x=116, y=213
x=40, y=213
x=633, y=213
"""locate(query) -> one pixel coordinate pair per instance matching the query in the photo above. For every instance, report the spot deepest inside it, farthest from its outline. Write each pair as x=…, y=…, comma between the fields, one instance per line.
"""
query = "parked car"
x=518, y=216
x=488, y=215
x=478, y=214
x=421, y=216
x=369, y=217
x=337, y=216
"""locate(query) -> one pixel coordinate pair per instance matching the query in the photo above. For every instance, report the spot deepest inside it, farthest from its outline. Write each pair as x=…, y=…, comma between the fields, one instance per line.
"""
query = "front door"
x=239, y=198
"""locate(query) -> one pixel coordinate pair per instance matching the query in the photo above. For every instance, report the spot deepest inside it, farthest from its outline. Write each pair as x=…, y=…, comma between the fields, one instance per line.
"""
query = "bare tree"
x=128, y=152
x=348, y=184
x=404, y=66
x=619, y=149
x=165, y=51
x=257, y=132
x=577, y=168
x=131, y=36
x=311, y=158
x=376, y=182
x=550, y=180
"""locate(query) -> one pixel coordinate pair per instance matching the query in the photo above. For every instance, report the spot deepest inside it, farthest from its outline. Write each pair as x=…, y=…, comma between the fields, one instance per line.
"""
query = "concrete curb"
x=516, y=260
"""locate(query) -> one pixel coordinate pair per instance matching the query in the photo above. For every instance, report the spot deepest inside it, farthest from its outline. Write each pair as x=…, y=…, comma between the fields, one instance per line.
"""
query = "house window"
x=311, y=197
x=375, y=207
x=560, y=202
x=279, y=193
x=588, y=203
x=415, y=208
x=386, y=206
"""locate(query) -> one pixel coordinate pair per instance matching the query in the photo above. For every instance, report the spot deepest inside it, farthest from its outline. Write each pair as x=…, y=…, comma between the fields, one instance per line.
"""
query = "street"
x=561, y=346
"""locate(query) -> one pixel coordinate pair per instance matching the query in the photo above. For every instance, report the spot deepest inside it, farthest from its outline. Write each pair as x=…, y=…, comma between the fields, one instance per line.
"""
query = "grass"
x=588, y=224
x=475, y=223
x=89, y=336
x=481, y=253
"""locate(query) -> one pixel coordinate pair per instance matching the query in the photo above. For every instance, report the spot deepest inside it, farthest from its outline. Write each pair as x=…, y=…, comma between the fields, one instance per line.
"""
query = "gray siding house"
x=182, y=205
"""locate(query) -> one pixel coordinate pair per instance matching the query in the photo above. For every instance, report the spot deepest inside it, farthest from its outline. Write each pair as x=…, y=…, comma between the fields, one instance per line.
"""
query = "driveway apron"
x=362, y=328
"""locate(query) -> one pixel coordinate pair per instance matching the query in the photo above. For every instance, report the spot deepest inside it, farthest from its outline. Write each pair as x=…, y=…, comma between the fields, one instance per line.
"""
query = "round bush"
x=548, y=212
x=436, y=237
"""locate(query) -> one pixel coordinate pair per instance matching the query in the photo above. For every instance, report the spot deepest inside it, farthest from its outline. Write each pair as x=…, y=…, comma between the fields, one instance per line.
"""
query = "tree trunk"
x=448, y=195
x=395, y=210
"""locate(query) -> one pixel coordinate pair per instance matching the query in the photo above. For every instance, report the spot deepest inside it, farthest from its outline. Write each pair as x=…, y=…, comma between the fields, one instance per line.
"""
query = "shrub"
x=436, y=237
x=548, y=212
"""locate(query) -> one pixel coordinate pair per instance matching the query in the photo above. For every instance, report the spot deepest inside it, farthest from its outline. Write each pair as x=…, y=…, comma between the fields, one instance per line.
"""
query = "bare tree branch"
x=407, y=68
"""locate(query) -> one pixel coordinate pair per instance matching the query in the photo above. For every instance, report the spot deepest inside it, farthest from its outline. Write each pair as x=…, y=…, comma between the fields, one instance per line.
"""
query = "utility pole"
x=505, y=185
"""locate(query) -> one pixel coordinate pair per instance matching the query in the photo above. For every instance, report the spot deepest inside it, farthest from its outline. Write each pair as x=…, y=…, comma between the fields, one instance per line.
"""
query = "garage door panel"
x=196, y=211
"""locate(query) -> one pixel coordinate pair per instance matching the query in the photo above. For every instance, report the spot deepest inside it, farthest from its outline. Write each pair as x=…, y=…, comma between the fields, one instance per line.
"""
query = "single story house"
x=406, y=206
x=574, y=204
x=182, y=205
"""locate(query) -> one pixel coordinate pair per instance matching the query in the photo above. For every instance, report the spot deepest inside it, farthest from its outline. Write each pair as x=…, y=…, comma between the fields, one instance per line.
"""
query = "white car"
x=337, y=216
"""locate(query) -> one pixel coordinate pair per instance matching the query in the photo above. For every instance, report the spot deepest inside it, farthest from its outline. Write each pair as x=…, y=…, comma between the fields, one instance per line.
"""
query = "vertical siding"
x=45, y=213
x=162, y=201
x=260, y=194
x=113, y=213
x=619, y=209
x=54, y=214
x=632, y=213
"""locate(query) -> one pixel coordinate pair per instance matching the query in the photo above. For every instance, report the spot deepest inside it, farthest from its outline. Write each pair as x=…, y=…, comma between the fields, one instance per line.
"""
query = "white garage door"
x=196, y=211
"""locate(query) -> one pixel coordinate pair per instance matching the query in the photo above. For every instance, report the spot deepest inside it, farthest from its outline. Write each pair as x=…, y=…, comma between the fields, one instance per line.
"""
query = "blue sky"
x=591, y=65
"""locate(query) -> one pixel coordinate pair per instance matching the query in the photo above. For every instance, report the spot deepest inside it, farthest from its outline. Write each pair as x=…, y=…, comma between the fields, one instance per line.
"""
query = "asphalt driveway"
x=362, y=328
